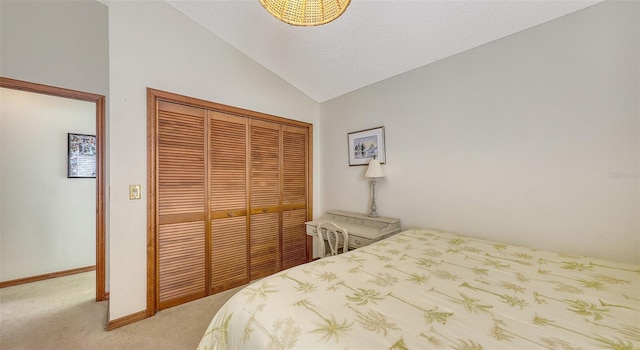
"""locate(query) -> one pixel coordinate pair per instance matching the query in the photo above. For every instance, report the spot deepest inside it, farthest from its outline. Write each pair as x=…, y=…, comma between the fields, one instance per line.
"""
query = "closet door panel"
x=294, y=195
x=181, y=204
x=228, y=184
x=265, y=198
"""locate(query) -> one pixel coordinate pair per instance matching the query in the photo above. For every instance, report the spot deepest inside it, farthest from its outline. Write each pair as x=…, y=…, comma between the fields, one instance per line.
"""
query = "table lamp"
x=374, y=172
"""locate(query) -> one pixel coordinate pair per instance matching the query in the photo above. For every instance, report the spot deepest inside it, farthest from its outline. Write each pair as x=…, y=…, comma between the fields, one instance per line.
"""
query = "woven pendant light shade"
x=306, y=12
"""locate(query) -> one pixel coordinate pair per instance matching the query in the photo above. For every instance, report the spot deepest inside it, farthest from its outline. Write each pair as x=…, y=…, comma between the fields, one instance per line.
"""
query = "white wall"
x=532, y=139
x=62, y=43
x=153, y=45
x=47, y=221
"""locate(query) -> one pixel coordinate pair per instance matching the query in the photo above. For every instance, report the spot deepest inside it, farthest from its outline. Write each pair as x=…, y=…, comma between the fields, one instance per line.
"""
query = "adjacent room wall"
x=47, y=221
x=58, y=43
x=532, y=139
x=153, y=45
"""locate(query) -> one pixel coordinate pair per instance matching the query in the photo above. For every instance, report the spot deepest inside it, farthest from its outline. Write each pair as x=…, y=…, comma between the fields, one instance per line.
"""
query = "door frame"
x=99, y=101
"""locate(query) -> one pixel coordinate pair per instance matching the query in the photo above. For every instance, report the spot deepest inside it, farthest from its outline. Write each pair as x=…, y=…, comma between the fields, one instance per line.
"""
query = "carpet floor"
x=62, y=313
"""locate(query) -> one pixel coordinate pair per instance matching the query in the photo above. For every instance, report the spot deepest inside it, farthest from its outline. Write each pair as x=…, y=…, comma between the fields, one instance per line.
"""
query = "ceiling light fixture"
x=306, y=12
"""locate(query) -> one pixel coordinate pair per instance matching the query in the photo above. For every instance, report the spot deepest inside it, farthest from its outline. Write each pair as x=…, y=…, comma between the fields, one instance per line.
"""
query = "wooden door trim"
x=99, y=101
x=195, y=102
x=207, y=205
x=153, y=97
x=280, y=195
x=310, y=190
x=152, y=202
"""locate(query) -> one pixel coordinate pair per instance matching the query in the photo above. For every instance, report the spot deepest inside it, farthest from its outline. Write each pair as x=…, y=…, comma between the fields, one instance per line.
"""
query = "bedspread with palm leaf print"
x=428, y=289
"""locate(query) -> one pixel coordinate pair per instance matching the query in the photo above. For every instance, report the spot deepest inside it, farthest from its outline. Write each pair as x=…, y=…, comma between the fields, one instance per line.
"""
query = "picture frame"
x=81, y=159
x=363, y=145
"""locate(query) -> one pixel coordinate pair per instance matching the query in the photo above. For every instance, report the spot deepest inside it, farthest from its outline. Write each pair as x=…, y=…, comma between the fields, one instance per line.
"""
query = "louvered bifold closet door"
x=294, y=195
x=265, y=198
x=181, y=204
x=229, y=248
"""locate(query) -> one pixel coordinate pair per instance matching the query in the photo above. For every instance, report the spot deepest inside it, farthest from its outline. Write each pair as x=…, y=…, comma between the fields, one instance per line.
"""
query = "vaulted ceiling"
x=372, y=41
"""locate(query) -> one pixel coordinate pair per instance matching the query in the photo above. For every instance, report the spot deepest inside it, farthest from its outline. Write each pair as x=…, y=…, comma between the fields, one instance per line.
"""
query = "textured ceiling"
x=372, y=41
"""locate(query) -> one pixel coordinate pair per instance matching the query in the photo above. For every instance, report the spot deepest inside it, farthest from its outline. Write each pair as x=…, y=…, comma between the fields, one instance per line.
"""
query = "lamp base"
x=373, y=213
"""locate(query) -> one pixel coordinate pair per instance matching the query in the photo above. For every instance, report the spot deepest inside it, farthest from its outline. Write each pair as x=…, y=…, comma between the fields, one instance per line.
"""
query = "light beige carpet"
x=62, y=313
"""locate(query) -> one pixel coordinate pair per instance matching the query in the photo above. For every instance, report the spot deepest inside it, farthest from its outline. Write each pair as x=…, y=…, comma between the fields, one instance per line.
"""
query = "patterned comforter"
x=428, y=289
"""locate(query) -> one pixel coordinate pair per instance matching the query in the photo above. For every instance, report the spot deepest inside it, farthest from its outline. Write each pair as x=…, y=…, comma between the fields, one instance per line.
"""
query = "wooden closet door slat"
x=228, y=154
x=181, y=204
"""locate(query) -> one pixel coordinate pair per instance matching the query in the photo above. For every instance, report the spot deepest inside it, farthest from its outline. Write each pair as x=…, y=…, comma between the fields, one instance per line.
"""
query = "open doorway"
x=99, y=102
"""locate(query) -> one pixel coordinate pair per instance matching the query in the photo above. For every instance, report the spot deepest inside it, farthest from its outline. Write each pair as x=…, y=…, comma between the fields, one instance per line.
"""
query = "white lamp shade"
x=374, y=170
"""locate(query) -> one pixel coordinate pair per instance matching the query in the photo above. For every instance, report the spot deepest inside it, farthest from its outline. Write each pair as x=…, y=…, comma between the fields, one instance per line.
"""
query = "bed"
x=429, y=289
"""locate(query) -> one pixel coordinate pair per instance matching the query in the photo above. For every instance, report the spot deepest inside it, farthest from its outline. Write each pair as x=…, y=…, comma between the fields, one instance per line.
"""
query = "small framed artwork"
x=364, y=145
x=81, y=155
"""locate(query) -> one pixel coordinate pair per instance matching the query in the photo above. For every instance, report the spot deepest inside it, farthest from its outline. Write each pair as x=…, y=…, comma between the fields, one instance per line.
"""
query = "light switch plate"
x=134, y=192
